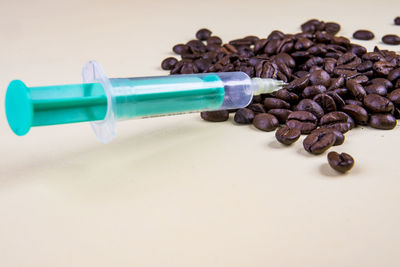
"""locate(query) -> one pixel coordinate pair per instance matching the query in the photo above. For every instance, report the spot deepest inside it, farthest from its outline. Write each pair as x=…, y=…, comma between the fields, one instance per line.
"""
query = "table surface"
x=178, y=191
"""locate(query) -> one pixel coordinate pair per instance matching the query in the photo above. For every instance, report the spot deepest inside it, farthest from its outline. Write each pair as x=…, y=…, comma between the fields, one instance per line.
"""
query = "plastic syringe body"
x=104, y=101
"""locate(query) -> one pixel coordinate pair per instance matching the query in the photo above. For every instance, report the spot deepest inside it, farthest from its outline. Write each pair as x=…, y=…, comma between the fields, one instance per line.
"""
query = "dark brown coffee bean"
x=382, y=121
x=215, y=116
x=391, y=39
x=337, y=120
x=303, y=120
x=336, y=83
x=332, y=28
x=378, y=104
x=358, y=113
x=303, y=44
x=356, y=89
x=337, y=98
x=339, y=136
x=257, y=108
x=298, y=84
x=285, y=59
x=340, y=162
x=265, y=122
x=397, y=21
x=318, y=142
x=271, y=103
x=287, y=96
x=346, y=58
x=394, y=96
x=214, y=40
x=362, y=79
x=169, y=63
x=203, y=34
x=363, y=35
x=311, y=91
x=181, y=49
x=394, y=75
x=244, y=116
x=383, y=68
x=326, y=102
x=281, y=114
x=364, y=66
x=320, y=77
x=378, y=89
x=358, y=49
x=286, y=135
x=310, y=106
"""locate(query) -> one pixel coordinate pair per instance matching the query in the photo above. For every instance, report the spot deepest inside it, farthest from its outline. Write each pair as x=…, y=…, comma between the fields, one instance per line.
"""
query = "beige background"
x=178, y=191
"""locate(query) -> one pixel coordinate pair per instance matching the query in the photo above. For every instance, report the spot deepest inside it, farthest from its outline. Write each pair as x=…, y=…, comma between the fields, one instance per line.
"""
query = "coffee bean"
x=356, y=89
x=271, y=103
x=378, y=89
x=298, y=84
x=391, y=39
x=394, y=75
x=394, y=96
x=310, y=106
x=397, y=21
x=214, y=40
x=385, y=82
x=326, y=102
x=169, y=63
x=320, y=77
x=203, y=34
x=378, y=104
x=383, y=68
x=265, y=122
x=336, y=83
x=244, y=116
x=340, y=162
x=382, y=121
x=286, y=95
x=181, y=49
x=286, y=135
x=332, y=28
x=337, y=120
x=358, y=113
x=353, y=102
x=215, y=116
x=257, y=108
x=363, y=35
x=318, y=142
x=303, y=120
x=339, y=136
x=281, y=114
x=311, y=91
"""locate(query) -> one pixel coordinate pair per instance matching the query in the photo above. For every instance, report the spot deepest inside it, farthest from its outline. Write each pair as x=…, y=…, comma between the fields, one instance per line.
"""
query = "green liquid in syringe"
x=143, y=97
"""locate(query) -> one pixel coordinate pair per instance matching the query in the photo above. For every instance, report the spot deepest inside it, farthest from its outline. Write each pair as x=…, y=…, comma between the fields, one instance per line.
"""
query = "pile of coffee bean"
x=333, y=84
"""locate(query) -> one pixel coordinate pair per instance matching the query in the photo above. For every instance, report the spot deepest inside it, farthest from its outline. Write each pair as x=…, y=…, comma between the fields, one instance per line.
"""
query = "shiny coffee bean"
x=378, y=89
x=326, y=102
x=310, y=106
x=318, y=142
x=281, y=114
x=337, y=120
x=215, y=116
x=391, y=39
x=303, y=120
x=311, y=91
x=286, y=95
x=169, y=63
x=272, y=103
x=394, y=96
x=257, y=108
x=356, y=89
x=397, y=21
x=214, y=40
x=378, y=104
x=363, y=35
x=340, y=162
x=320, y=77
x=244, y=116
x=358, y=113
x=265, y=122
x=332, y=27
x=339, y=136
x=181, y=49
x=286, y=135
x=203, y=34
x=383, y=121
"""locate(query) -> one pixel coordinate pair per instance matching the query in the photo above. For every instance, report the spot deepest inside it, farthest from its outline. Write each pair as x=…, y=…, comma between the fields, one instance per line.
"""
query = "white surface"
x=178, y=191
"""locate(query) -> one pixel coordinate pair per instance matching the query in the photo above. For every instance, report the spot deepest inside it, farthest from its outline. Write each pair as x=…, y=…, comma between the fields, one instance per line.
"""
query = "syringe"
x=103, y=101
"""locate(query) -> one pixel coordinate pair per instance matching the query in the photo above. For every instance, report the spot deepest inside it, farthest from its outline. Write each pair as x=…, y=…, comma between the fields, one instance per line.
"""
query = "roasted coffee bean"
x=336, y=83
x=339, y=136
x=298, y=84
x=337, y=120
x=285, y=59
x=265, y=122
x=326, y=102
x=356, y=89
x=303, y=120
x=310, y=106
x=281, y=114
x=391, y=39
x=169, y=63
x=203, y=34
x=215, y=116
x=181, y=49
x=320, y=77
x=353, y=102
x=337, y=98
x=363, y=35
x=286, y=135
x=271, y=103
x=257, y=108
x=311, y=91
x=383, y=68
x=394, y=96
x=394, y=75
x=358, y=113
x=364, y=66
x=244, y=116
x=378, y=89
x=332, y=28
x=214, y=40
x=378, y=104
x=287, y=96
x=318, y=142
x=382, y=121
x=397, y=21
x=340, y=162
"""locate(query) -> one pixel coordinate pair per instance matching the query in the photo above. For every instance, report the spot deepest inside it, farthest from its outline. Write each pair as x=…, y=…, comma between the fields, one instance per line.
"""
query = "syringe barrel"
x=165, y=95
